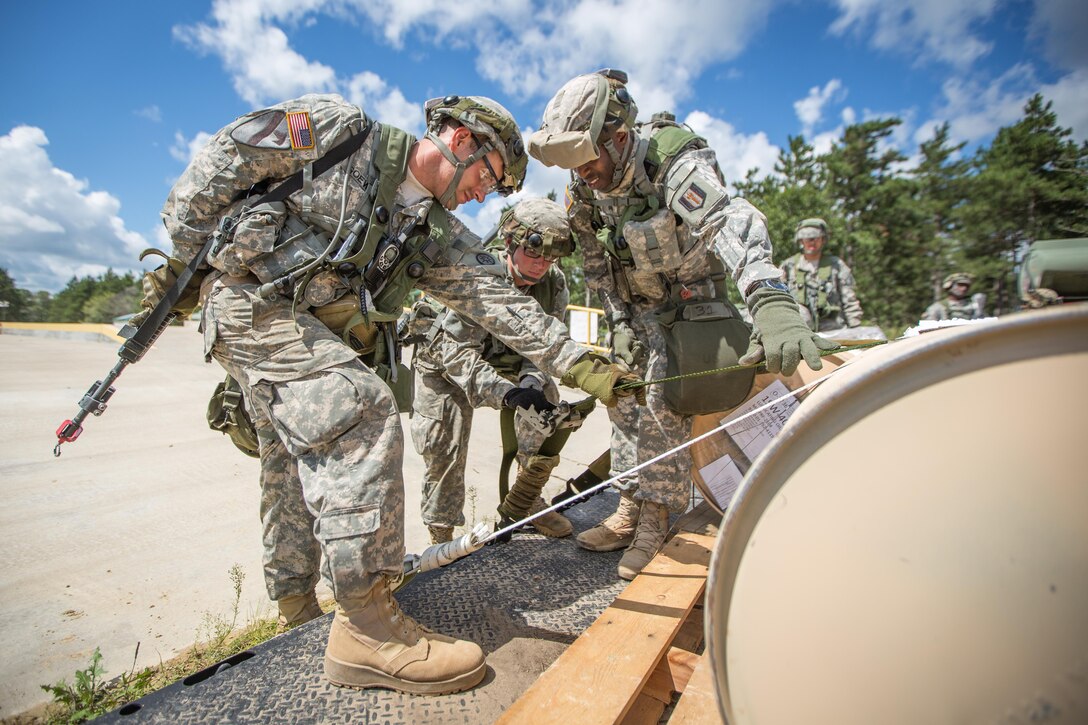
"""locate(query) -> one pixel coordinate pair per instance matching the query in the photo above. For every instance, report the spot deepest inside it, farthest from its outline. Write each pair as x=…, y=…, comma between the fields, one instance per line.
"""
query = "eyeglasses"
x=489, y=178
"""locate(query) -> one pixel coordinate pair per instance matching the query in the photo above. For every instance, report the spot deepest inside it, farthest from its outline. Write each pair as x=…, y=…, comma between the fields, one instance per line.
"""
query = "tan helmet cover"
x=810, y=229
x=573, y=121
x=545, y=219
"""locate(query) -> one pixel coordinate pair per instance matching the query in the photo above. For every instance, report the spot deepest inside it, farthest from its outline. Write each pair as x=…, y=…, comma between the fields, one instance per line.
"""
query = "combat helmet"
x=811, y=228
x=581, y=118
x=956, y=278
x=540, y=225
x=494, y=129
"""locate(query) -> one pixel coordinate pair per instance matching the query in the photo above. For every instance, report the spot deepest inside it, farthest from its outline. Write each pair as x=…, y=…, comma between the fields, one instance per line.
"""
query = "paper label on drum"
x=754, y=433
x=750, y=435
x=722, y=478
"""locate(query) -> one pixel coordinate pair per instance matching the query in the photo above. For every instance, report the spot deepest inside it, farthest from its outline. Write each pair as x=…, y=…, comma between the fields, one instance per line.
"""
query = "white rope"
x=594, y=489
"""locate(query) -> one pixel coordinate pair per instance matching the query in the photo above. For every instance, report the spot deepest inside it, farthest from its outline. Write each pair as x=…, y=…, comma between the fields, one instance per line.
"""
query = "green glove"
x=625, y=346
x=780, y=336
x=599, y=378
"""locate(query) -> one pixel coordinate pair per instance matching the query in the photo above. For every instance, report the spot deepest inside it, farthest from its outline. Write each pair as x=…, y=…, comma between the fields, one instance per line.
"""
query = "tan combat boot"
x=373, y=643
x=653, y=525
x=553, y=523
x=524, y=498
x=440, y=534
x=297, y=609
x=615, y=532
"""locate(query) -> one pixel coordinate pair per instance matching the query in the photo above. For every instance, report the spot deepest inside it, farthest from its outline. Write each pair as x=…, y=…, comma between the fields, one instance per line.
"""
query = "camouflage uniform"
x=461, y=367
x=951, y=308
x=732, y=232
x=825, y=290
x=331, y=441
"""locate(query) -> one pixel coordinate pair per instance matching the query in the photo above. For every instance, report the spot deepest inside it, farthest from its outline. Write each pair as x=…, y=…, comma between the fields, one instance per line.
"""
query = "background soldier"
x=300, y=290
x=659, y=235
x=459, y=367
x=957, y=305
x=821, y=283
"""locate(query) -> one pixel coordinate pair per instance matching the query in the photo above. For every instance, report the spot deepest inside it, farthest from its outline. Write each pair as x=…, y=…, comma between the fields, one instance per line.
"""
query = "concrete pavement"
x=130, y=535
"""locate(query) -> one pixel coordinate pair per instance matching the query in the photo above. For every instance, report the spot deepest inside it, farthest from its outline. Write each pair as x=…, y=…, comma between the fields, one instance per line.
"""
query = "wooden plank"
x=698, y=704
x=646, y=710
x=598, y=678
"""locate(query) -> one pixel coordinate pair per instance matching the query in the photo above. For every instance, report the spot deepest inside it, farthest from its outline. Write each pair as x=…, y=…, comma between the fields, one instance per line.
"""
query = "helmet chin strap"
x=619, y=160
x=520, y=279
x=459, y=165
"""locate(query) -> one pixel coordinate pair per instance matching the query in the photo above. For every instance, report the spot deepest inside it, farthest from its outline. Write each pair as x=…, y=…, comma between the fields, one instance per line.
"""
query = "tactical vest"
x=702, y=329
x=666, y=141
x=364, y=299
x=815, y=297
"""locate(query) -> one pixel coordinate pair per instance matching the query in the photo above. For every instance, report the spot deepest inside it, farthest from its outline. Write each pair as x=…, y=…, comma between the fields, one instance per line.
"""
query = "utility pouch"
x=653, y=242
x=700, y=336
x=227, y=414
x=296, y=244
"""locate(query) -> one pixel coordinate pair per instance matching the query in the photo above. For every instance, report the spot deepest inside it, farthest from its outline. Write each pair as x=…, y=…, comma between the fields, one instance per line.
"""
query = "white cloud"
x=939, y=30
x=1063, y=27
x=810, y=109
x=529, y=49
x=185, y=149
x=737, y=153
x=151, y=113
x=976, y=110
x=1069, y=95
x=256, y=52
x=368, y=91
x=51, y=225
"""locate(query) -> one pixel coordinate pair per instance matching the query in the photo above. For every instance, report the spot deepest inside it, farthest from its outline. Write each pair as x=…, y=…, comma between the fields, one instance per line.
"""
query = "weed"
x=217, y=639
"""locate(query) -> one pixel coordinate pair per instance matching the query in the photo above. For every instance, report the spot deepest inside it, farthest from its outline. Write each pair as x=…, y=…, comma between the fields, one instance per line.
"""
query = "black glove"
x=527, y=398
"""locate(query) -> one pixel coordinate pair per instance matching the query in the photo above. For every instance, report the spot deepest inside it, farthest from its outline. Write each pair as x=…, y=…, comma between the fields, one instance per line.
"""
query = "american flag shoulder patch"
x=302, y=130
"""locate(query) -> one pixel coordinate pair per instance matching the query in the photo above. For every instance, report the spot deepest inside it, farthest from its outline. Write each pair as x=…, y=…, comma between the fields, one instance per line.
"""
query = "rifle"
x=138, y=340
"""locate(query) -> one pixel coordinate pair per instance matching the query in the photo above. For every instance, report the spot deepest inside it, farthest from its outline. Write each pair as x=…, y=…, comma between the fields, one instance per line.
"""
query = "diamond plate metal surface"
x=523, y=602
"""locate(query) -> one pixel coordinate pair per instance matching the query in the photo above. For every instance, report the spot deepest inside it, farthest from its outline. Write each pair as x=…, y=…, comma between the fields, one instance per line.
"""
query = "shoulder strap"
x=665, y=143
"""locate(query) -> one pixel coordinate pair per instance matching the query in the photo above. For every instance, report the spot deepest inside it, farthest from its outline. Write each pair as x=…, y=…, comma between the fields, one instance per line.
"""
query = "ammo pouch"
x=227, y=414
x=653, y=243
x=701, y=336
x=293, y=246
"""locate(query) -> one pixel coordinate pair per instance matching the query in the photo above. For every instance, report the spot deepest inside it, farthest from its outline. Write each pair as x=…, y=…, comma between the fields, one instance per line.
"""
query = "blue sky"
x=104, y=102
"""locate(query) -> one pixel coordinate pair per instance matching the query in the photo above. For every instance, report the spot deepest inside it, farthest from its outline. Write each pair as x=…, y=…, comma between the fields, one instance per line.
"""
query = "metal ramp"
x=524, y=602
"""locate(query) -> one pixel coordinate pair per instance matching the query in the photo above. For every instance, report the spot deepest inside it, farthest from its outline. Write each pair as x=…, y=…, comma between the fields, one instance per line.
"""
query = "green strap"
x=634, y=385
x=391, y=161
x=509, y=450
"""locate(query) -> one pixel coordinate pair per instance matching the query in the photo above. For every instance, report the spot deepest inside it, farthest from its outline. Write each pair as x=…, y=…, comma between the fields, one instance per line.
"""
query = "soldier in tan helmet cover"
x=297, y=305
x=459, y=366
x=660, y=237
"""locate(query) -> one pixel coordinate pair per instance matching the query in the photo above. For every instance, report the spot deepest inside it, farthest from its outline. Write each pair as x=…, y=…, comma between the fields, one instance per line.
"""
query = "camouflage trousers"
x=441, y=425
x=332, y=492
x=640, y=433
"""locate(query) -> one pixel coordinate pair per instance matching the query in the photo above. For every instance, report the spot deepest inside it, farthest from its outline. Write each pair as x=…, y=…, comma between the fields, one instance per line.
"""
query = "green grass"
x=218, y=637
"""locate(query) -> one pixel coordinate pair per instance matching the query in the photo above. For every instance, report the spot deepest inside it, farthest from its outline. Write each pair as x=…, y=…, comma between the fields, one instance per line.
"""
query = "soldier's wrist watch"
x=768, y=284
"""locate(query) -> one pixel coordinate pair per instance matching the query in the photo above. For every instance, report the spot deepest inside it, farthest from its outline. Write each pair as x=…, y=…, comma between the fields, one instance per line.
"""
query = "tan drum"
x=913, y=547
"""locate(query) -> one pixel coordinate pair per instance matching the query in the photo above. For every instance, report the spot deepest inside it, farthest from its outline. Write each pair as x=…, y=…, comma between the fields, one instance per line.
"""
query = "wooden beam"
x=598, y=678
x=699, y=703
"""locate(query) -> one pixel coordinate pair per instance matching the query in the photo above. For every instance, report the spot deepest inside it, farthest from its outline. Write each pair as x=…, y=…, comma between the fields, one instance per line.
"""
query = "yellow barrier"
x=61, y=327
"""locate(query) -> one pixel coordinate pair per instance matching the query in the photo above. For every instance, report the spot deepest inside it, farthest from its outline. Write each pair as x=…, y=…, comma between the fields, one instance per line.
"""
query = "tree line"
x=902, y=224
x=83, y=299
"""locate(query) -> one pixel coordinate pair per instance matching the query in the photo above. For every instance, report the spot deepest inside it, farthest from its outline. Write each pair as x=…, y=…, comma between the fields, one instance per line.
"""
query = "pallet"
x=642, y=651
